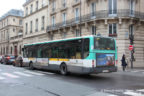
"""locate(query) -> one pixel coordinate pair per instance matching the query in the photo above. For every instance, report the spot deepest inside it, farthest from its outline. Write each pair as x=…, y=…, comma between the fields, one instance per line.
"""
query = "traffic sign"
x=131, y=47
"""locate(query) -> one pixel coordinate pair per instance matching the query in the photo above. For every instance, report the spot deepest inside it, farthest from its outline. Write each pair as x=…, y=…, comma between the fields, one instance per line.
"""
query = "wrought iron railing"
x=103, y=14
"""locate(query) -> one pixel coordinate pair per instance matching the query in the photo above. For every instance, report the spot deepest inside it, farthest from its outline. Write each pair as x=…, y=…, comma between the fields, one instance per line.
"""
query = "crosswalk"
x=20, y=74
x=138, y=92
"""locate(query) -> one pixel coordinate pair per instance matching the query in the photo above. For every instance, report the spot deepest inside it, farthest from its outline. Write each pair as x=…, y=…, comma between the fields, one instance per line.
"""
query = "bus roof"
x=38, y=43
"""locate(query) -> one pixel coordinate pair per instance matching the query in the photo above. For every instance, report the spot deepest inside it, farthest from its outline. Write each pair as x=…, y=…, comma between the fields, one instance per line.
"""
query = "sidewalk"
x=137, y=72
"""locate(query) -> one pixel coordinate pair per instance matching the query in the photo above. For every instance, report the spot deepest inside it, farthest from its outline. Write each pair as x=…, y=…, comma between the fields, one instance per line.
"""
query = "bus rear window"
x=104, y=43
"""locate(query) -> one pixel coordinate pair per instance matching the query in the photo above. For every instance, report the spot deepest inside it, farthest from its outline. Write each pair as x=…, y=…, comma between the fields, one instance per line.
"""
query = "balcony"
x=16, y=37
x=99, y=15
x=53, y=11
x=64, y=7
x=76, y=2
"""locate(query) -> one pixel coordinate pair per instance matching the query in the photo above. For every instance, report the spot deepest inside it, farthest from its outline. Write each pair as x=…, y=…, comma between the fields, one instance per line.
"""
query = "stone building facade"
x=35, y=21
x=11, y=32
x=73, y=18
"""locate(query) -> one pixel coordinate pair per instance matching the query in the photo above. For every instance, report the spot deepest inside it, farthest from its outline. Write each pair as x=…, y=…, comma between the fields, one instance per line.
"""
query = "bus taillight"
x=92, y=63
x=116, y=62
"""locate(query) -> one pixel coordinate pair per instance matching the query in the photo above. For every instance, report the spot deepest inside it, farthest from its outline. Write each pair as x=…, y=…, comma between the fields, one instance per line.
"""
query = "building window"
x=26, y=11
x=43, y=3
x=36, y=25
x=77, y=14
x=7, y=22
x=14, y=20
x=77, y=32
x=64, y=19
x=53, y=6
x=31, y=8
x=20, y=22
x=51, y=37
x=53, y=21
x=76, y=0
x=26, y=26
x=93, y=30
x=112, y=7
x=64, y=3
x=132, y=7
x=93, y=9
x=43, y=22
x=113, y=29
x=13, y=29
x=7, y=50
x=11, y=50
x=64, y=35
x=31, y=26
x=37, y=3
x=20, y=49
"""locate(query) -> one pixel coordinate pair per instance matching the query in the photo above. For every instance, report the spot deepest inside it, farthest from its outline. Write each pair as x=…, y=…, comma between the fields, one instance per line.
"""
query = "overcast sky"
x=6, y=5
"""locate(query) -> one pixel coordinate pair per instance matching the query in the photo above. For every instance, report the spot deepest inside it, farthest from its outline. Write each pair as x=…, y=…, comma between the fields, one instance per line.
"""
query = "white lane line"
x=23, y=74
x=141, y=90
x=10, y=75
x=2, y=78
x=135, y=71
x=0, y=70
x=34, y=73
x=112, y=95
x=49, y=73
x=131, y=93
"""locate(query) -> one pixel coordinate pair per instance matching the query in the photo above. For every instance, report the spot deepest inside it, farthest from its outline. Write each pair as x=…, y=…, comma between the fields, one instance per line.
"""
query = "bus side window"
x=86, y=48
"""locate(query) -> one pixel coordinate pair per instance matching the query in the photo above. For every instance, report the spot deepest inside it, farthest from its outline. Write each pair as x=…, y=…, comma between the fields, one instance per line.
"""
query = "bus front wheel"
x=63, y=69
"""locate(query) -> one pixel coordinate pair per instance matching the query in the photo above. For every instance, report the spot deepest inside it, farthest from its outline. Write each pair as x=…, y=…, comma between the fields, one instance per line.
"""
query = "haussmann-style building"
x=11, y=32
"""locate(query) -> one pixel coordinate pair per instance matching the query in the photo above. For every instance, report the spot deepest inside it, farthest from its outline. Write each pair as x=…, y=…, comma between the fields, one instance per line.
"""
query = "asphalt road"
x=15, y=81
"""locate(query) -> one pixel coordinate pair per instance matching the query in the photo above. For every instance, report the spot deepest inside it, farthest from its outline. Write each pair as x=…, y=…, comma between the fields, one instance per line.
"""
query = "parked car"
x=8, y=59
x=18, y=61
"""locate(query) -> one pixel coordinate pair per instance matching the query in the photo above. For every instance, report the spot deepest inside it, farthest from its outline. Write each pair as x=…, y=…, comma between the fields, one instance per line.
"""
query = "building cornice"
x=37, y=11
x=10, y=16
x=10, y=26
x=27, y=2
x=34, y=35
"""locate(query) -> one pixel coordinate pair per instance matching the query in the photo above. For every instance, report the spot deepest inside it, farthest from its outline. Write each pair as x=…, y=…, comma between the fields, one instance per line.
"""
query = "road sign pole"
x=131, y=60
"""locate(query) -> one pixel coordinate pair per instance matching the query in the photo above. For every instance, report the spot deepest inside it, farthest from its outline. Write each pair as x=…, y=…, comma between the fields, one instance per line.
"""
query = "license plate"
x=105, y=71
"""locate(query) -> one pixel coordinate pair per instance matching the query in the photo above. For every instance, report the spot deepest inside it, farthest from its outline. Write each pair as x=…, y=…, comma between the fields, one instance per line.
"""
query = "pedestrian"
x=124, y=64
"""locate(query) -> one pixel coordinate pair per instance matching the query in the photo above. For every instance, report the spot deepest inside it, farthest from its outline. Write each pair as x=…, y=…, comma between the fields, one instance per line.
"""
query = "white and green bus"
x=82, y=55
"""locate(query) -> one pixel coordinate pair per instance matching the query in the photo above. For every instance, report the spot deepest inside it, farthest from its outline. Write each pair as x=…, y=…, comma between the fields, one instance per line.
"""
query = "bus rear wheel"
x=63, y=69
x=31, y=66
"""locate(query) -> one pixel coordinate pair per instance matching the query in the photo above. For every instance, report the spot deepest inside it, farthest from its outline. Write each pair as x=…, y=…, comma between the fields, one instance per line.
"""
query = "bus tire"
x=63, y=69
x=31, y=67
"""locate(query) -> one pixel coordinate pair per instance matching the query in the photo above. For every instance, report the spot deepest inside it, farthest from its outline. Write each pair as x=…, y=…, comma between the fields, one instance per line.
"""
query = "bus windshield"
x=104, y=43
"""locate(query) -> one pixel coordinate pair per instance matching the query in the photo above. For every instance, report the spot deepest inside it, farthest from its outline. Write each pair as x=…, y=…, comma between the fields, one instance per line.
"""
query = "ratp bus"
x=83, y=55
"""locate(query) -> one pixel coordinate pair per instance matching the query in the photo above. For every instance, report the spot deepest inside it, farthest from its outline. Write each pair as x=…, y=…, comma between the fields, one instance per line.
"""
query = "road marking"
x=10, y=75
x=0, y=70
x=23, y=74
x=34, y=73
x=2, y=78
x=133, y=93
x=112, y=95
x=141, y=90
x=49, y=73
x=135, y=71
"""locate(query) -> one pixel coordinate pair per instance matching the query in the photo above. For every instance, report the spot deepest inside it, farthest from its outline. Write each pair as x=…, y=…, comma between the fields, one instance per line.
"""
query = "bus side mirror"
x=22, y=49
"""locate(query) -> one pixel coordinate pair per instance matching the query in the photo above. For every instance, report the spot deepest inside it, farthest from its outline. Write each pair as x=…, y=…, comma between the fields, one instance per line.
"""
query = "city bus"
x=82, y=55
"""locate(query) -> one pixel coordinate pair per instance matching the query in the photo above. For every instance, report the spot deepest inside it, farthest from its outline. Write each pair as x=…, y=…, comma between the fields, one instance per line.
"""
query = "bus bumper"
x=100, y=70
x=105, y=69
